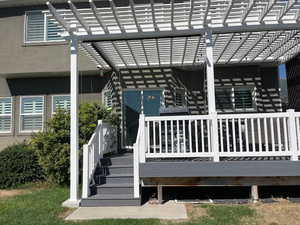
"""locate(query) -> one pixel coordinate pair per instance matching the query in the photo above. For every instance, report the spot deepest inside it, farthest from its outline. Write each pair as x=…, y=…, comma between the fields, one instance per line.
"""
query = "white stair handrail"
x=102, y=141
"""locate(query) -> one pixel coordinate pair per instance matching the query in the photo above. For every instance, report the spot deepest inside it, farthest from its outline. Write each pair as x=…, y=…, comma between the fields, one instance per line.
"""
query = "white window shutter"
x=180, y=97
x=35, y=26
x=32, y=109
x=5, y=114
x=61, y=102
x=108, y=98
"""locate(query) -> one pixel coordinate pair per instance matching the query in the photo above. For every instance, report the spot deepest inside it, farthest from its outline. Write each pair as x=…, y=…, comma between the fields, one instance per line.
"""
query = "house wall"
x=265, y=80
x=90, y=91
x=293, y=82
x=18, y=58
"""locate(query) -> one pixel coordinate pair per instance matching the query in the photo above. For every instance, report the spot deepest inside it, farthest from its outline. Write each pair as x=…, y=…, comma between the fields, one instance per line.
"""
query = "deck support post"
x=74, y=200
x=254, y=193
x=159, y=194
x=211, y=95
x=292, y=134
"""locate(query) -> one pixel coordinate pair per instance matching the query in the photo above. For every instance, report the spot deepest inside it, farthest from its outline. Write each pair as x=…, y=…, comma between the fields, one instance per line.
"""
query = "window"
x=60, y=102
x=180, y=97
x=5, y=115
x=38, y=28
x=235, y=99
x=32, y=109
x=107, y=98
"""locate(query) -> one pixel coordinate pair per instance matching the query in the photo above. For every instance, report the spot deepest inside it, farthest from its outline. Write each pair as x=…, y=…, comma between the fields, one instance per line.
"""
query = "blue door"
x=134, y=103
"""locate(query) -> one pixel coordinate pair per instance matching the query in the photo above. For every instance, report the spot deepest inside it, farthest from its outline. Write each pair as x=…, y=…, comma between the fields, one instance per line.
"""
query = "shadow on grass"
x=43, y=207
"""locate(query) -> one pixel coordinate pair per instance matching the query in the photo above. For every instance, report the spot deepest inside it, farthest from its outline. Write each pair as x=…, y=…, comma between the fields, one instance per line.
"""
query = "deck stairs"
x=113, y=182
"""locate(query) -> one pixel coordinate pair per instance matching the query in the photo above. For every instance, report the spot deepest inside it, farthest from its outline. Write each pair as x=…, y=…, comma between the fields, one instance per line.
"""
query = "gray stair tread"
x=120, y=175
x=126, y=155
x=113, y=197
x=120, y=185
x=120, y=166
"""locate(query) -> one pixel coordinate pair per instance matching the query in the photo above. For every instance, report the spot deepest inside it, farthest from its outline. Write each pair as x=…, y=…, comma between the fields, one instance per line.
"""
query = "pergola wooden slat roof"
x=152, y=33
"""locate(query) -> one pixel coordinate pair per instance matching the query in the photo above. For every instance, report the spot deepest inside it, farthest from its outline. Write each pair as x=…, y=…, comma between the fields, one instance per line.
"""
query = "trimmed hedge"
x=18, y=165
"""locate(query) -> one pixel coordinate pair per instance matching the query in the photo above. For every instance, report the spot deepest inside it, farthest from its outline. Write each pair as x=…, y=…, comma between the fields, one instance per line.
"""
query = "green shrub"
x=52, y=146
x=18, y=165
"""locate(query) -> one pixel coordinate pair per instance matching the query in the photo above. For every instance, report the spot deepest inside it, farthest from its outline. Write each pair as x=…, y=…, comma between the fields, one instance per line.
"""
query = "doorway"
x=135, y=102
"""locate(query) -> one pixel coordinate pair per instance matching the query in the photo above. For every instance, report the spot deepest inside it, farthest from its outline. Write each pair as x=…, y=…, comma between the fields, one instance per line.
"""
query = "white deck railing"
x=222, y=135
x=214, y=136
x=103, y=140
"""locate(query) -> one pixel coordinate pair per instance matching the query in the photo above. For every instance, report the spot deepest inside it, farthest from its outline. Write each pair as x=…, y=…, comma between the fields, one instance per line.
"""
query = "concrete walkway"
x=169, y=210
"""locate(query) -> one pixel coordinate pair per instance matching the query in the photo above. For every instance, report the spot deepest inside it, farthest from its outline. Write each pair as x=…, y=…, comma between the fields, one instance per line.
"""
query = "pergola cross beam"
x=152, y=21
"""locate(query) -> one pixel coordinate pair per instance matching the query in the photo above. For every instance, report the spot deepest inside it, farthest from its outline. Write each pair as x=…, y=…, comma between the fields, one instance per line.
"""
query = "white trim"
x=30, y=114
x=52, y=101
x=10, y=115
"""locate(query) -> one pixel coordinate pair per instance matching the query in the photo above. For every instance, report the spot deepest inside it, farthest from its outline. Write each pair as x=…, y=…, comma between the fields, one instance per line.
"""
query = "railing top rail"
x=219, y=116
x=185, y=117
x=253, y=115
x=94, y=134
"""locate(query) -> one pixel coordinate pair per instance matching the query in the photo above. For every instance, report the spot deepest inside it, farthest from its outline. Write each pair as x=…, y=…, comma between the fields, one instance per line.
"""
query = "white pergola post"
x=210, y=73
x=74, y=200
x=211, y=94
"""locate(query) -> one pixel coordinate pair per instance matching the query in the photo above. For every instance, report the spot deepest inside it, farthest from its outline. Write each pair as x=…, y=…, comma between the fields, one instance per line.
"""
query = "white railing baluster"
x=166, y=135
x=266, y=134
x=196, y=135
x=160, y=137
x=184, y=141
x=233, y=135
x=279, y=134
x=286, y=144
x=246, y=135
x=259, y=135
x=172, y=136
x=190, y=136
x=154, y=136
x=252, y=135
x=202, y=136
x=221, y=134
x=227, y=136
x=298, y=132
x=148, y=142
x=208, y=122
x=178, y=136
x=272, y=134
x=240, y=135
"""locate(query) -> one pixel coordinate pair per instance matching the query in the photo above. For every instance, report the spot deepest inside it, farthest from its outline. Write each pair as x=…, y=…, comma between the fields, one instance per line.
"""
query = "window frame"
x=184, y=93
x=233, y=99
x=103, y=98
x=45, y=39
x=11, y=116
x=32, y=114
x=52, y=102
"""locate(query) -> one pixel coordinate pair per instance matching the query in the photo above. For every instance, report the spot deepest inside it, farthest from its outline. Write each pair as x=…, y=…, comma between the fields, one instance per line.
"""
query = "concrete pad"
x=169, y=210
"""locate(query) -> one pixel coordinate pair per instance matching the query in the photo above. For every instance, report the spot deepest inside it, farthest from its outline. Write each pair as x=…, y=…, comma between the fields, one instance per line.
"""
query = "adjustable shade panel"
x=61, y=102
x=5, y=115
x=135, y=34
x=32, y=109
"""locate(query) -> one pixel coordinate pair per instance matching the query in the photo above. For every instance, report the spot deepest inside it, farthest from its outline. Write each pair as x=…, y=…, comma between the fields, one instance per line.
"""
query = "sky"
x=282, y=71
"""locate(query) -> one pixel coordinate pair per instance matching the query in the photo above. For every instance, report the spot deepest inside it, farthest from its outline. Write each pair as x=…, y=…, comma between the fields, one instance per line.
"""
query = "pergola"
x=124, y=34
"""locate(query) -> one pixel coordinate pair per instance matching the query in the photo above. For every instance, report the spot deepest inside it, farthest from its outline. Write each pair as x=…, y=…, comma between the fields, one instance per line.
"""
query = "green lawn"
x=43, y=207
